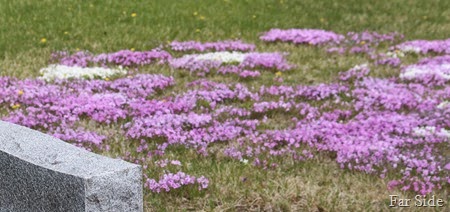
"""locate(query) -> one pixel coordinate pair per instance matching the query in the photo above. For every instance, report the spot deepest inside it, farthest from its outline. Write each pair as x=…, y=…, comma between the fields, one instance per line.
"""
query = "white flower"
x=360, y=66
x=245, y=161
x=414, y=49
x=395, y=54
x=66, y=72
x=444, y=133
x=417, y=71
x=443, y=105
x=424, y=131
x=224, y=57
x=431, y=130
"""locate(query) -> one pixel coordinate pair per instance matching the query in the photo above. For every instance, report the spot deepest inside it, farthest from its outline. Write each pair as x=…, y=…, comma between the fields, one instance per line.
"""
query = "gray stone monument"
x=42, y=173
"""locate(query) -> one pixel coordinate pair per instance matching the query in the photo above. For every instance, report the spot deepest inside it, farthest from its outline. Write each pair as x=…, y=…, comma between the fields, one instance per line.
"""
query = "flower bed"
x=373, y=125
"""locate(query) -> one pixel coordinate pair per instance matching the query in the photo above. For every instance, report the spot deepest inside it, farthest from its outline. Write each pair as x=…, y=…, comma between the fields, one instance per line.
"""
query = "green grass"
x=106, y=26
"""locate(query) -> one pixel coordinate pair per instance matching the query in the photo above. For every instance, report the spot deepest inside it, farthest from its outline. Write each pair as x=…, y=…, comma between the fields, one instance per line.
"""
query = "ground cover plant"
x=246, y=108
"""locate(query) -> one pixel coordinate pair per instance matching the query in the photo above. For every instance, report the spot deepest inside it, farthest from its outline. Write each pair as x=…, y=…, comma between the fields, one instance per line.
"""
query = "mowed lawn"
x=105, y=26
x=31, y=30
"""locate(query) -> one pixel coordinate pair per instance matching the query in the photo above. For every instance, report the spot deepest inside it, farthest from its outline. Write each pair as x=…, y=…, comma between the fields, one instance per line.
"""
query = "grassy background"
x=105, y=26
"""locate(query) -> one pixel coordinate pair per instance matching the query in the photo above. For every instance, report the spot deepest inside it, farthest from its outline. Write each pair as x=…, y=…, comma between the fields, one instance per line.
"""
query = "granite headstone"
x=41, y=173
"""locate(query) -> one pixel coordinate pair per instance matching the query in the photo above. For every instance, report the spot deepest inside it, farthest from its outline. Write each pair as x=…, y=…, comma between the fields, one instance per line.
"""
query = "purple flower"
x=227, y=45
x=302, y=36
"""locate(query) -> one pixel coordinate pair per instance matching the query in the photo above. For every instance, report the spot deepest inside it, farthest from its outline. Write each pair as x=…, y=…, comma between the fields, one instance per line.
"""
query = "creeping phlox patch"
x=227, y=45
x=377, y=126
x=70, y=72
x=125, y=58
x=425, y=46
x=172, y=181
x=302, y=36
x=232, y=62
x=352, y=43
x=439, y=72
x=430, y=70
x=222, y=57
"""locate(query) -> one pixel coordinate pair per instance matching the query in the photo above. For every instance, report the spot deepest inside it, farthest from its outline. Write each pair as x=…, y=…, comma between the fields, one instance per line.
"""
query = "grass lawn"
x=31, y=30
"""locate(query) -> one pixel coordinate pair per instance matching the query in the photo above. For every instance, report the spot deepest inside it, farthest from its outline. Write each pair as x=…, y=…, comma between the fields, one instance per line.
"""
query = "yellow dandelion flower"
x=362, y=42
x=195, y=13
x=77, y=49
x=43, y=40
x=202, y=17
x=278, y=74
x=15, y=106
x=107, y=79
x=133, y=15
x=132, y=49
x=20, y=92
